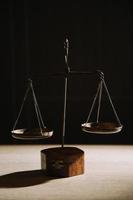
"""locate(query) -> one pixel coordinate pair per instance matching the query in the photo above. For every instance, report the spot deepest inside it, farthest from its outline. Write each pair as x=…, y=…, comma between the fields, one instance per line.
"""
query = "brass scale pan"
x=101, y=127
x=33, y=134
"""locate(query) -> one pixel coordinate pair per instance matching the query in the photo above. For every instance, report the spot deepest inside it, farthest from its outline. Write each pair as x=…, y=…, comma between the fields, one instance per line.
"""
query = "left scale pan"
x=33, y=134
x=42, y=132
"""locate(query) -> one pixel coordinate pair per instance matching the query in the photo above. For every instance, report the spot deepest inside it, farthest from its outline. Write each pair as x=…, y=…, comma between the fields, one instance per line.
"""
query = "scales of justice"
x=66, y=161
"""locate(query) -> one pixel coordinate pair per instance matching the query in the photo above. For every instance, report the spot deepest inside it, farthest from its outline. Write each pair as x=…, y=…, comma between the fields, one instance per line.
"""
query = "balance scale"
x=66, y=161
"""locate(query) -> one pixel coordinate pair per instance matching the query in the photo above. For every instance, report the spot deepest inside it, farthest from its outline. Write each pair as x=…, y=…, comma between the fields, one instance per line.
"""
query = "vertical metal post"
x=64, y=112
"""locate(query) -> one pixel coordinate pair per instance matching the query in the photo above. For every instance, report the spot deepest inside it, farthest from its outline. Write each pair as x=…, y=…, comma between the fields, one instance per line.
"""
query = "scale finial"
x=66, y=47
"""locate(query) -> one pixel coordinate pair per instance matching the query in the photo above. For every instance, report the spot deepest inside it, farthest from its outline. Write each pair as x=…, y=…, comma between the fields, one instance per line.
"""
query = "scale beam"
x=71, y=73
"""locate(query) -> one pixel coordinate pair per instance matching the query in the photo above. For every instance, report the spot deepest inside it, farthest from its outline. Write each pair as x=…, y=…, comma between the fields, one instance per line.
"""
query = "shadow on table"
x=24, y=179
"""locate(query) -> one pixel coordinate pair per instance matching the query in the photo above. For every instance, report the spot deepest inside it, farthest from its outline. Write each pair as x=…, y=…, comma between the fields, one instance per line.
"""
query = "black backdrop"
x=32, y=37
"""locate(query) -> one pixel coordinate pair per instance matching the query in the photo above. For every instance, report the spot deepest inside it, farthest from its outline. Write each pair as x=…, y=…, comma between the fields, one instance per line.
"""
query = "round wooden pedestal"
x=62, y=161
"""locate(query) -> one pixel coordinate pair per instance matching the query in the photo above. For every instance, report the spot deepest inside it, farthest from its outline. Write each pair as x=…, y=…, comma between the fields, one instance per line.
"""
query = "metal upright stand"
x=67, y=70
x=63, y=161
x=64, y=113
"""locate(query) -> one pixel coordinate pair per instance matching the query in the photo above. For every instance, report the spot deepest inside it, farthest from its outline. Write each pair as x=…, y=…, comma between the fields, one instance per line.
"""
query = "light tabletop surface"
x=108, y=174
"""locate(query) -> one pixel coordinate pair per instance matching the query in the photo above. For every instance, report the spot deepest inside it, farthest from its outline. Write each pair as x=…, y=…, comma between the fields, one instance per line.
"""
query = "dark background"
x=32, y=34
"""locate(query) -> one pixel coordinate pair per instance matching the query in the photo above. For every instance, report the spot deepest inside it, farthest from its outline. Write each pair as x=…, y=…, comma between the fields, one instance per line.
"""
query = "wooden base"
x=62, y=161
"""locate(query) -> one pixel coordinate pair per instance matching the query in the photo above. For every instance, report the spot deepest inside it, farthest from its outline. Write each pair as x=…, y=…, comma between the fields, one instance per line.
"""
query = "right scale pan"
x=101, y=127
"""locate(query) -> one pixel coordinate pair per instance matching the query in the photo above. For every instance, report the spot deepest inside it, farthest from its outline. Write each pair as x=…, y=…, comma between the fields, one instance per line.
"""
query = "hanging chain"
x=99, y=92
x=99, y=100
x=101, y=76
x=21, y=108
x=93, y=103
x=118, y=120
x=37, y=109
